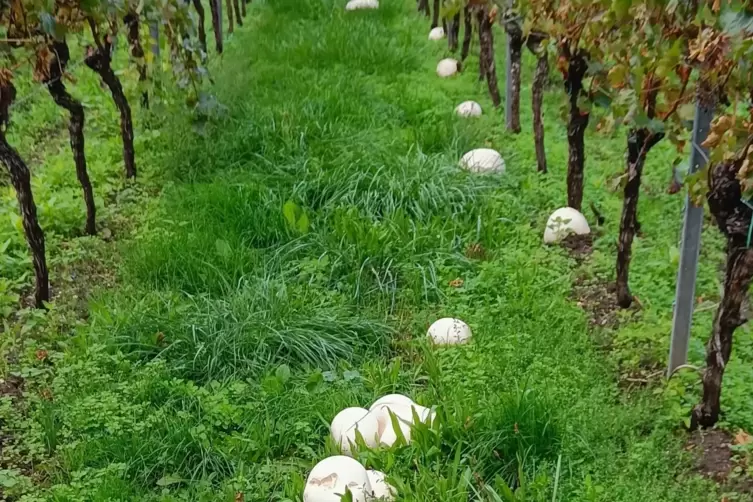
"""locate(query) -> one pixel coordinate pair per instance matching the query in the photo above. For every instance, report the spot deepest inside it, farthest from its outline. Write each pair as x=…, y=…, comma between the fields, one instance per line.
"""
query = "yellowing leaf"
x=743, y=438
x=621, y=8
x=686, y=111
x=617, y=76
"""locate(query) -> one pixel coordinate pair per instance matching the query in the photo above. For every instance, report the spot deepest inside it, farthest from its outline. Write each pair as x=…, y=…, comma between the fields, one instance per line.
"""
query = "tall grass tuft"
x=517, y=428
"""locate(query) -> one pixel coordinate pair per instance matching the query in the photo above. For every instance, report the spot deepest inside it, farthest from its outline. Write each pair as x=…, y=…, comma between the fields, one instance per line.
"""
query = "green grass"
x=233, y=337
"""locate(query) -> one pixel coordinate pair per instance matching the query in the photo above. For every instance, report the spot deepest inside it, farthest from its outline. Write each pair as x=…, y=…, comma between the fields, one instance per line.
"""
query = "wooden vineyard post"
x=690, y=245
x=154, y=38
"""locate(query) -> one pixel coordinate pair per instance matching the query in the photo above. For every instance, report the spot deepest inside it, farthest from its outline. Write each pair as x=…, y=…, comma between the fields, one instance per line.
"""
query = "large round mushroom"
x=348, y=423
x=436, y=33
x=448, y=67
x=468, y=109
x=404, y=415
x=330, y=478
x=392, y=399
x=483, y=160
x=362, y=4
x=381, y=490
x=449, y=331
x=564, y=222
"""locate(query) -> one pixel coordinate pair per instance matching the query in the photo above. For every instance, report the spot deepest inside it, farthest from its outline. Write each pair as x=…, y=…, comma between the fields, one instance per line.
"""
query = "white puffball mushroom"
x=468, y=109
x=449, y=331
x=436, y=33
x=381, y=489
x=392, y=399
x=345, y=424
x=448, y=67
x=563, y=222
x=404, y=415
x=362, y=4
x=329, y=479
x=483, y=160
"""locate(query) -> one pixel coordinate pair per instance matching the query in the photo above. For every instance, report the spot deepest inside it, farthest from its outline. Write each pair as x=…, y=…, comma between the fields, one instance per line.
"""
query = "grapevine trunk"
x=454, y=33
x=576, y=130
x=63, y=99
x=230, y=23
x=488, y=67
x=202, y=32
x=539, y=82
x=214, y=7
x=467, y=33
x=21, y=180
x=238, y=17
x=99, y=60
x=734, y=219
x=137, y=52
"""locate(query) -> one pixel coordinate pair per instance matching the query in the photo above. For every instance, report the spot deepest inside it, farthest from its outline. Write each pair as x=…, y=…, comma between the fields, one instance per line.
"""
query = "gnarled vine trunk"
x=576, y=128
x=640, y=142
x=733, y=217
x=21, y=180
x=214, y=8
x=453, y=34
x=202, y=32
x=515, y=39
x=435, y=15
x=243, y=8
x=99, y=60
x=487, y=65
x=238, y=17
x=63, y=99
x=537, y=98
x=137, y=52
x=230, y=23
x=423, y=6
x=467, y=33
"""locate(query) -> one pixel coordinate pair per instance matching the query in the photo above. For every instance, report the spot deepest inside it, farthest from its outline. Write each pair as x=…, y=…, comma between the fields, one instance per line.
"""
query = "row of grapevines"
x=37, y=33
x=645, y=66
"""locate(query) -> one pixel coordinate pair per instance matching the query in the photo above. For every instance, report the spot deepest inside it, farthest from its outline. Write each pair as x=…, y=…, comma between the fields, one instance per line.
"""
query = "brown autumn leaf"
x=712, y=140
x=743, y=438
x=457, y=283
x=41, y=355
x=716, y=6
x=239, y=497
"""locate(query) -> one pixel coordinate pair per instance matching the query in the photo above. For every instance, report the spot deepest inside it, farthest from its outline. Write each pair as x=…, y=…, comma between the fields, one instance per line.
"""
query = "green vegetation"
x=305, y=235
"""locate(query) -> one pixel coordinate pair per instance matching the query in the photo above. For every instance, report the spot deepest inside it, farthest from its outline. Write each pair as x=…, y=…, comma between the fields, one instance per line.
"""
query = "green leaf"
x=602, y=99
x=170, y=479
x=283, y=373
x=47, y=21
x=401, y=441
x=686, y=111
x=223, y=248
x=621, y=8
x=289, y=211
x=314, y=380
x=351, y=375
x=303, y=224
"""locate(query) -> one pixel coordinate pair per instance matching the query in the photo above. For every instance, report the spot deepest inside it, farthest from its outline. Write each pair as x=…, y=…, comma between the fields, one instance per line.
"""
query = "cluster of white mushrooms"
x=388, y=420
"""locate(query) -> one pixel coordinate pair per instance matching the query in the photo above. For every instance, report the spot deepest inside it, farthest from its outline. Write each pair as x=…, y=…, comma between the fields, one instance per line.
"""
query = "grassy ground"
x=235, y=334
